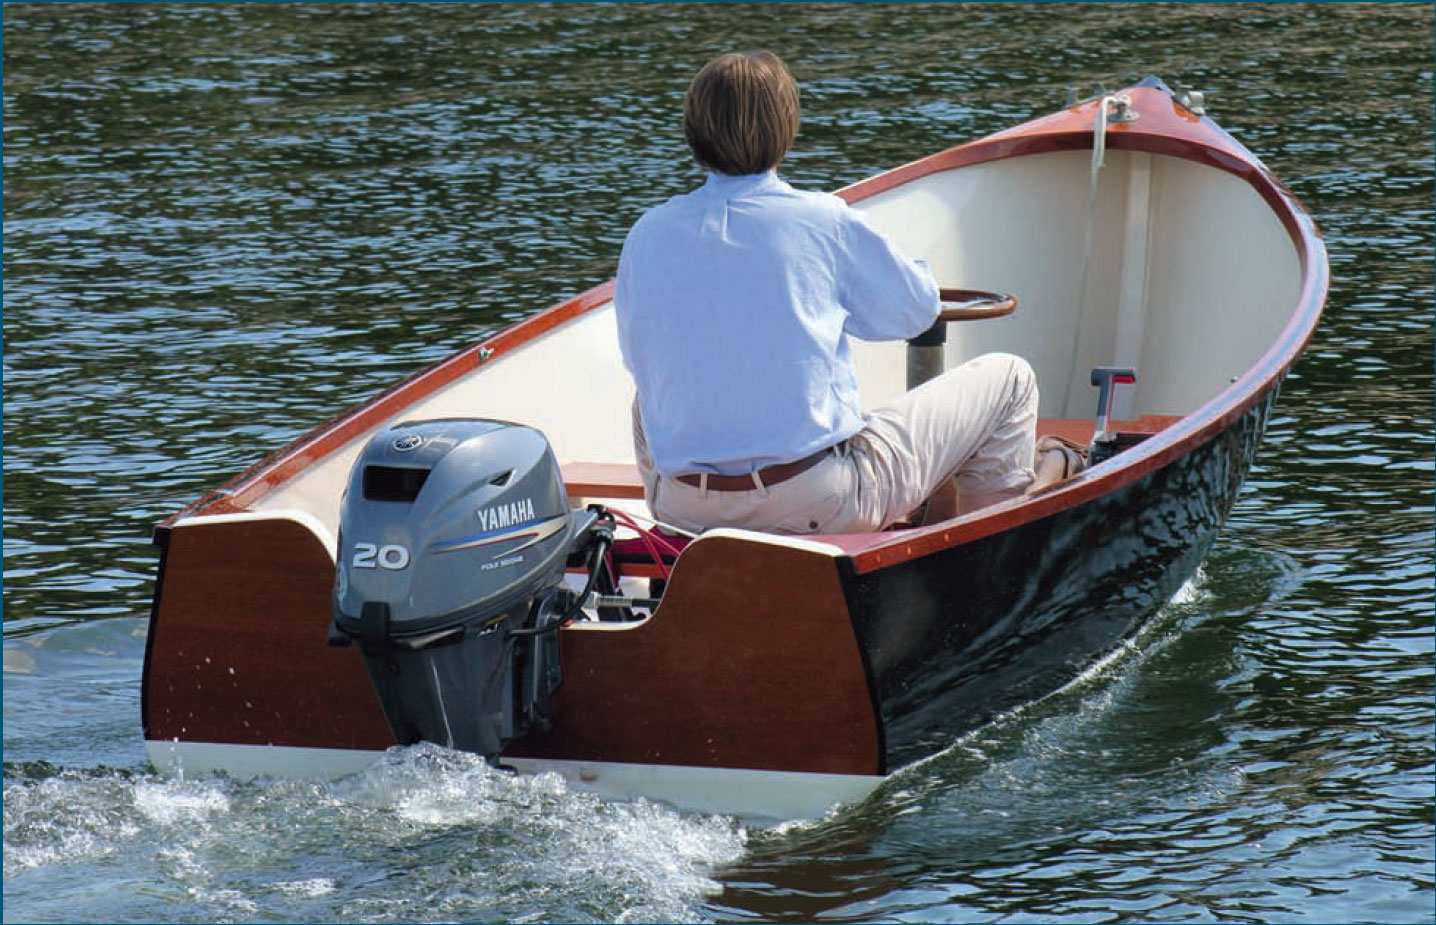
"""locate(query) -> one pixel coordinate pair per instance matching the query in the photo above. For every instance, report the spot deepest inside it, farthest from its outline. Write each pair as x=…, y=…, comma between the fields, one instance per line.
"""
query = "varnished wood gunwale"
x=1165, y=128
x=242, y=491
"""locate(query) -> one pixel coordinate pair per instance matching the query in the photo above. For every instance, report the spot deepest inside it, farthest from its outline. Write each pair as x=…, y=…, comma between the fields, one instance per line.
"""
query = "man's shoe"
x=1057, y=459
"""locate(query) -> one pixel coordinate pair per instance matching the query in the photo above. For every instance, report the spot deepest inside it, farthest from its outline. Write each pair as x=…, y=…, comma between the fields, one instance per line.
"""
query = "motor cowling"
x=454, y=536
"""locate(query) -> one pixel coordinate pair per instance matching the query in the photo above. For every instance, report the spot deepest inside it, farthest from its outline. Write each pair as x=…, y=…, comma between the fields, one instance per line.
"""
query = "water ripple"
x=226, y=222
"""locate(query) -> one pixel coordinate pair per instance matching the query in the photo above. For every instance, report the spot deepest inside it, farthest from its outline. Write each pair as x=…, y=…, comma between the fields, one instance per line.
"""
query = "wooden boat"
x=777, y=675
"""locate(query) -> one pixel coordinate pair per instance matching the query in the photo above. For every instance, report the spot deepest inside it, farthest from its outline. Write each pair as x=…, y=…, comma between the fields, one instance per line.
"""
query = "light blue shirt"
x=734, y=305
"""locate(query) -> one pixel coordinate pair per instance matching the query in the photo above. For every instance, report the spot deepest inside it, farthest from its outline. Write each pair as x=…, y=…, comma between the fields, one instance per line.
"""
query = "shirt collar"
x=729, y=186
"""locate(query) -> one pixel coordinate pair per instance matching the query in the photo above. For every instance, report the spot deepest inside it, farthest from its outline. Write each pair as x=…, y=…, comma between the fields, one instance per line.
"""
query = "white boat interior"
x=1175, y=268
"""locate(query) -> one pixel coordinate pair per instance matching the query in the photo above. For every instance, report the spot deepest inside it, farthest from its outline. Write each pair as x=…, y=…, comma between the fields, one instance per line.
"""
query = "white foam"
x=168, y=802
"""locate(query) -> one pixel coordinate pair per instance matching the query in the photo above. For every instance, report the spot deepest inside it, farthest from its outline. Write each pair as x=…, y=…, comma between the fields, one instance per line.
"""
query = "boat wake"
x=1068, y=713
x=425, y=834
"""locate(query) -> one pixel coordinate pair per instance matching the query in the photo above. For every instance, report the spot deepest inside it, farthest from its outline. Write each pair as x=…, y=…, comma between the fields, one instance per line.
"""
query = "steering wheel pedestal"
x=926, y=353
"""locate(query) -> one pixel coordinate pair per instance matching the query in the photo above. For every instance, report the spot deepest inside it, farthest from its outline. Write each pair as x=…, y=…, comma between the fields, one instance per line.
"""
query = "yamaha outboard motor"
x=454, y=536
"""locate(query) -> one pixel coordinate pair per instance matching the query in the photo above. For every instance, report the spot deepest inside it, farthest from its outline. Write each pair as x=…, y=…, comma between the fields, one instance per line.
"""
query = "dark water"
x=224, y=223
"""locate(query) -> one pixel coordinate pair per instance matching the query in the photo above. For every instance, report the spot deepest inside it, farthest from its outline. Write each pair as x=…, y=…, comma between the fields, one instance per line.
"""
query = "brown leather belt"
x=769, y=476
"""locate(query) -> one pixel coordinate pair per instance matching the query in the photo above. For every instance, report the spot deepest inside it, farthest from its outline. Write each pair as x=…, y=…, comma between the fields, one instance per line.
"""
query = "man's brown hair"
x=740, y=115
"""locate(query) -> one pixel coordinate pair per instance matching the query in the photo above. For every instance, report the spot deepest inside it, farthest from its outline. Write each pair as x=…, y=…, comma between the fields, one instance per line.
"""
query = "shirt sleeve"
x=622, y=304
x=887, y=294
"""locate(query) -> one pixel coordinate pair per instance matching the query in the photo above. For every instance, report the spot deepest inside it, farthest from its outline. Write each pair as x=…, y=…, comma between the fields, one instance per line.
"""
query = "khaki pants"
x=976, y=424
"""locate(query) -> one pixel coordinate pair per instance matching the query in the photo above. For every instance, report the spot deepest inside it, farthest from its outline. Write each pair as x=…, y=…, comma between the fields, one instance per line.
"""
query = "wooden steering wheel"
x=974, y=304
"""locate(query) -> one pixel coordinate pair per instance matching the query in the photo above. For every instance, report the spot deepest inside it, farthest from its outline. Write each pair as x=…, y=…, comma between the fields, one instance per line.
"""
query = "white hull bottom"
x=751, y=794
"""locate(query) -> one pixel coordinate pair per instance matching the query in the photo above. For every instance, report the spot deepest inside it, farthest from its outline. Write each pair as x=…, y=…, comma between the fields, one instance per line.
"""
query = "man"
x=734, y=305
